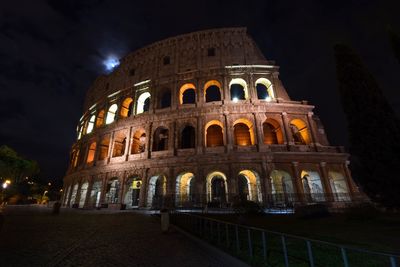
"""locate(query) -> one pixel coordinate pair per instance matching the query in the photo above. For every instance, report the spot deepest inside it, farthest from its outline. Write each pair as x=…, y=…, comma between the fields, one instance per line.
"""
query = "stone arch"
x=312, y=186
x=138, y=141
x=187, y=94
x=184, y=189
x=143, y=103
x=252, y=186
x=282, y=188
x=95, y=194
x=132, y=191
x=188, y=137
x=74, y=193
x=100, y=118
x=91, y=152
x=90, y=125
x=126, y=107
x=265, y=89
x=299, y=132
x=160, y=139
x=156, y=190
x=83, y=193
x=238, y=89
x=214, y=133
x=272, y=132
x=112, y=111
x=212, y=91
x=339, y=187
x=112, y=191
x=217, y=187
x=104, y=146
x=119, y=144
x=243, y=132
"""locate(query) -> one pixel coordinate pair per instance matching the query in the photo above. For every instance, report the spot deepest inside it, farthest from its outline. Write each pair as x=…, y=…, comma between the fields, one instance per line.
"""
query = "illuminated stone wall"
x=201, y=118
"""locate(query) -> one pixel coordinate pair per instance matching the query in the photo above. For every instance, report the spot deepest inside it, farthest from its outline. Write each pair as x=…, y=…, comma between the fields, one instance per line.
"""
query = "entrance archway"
x=217, y=188
x=312, y=186
x=82, y=198
x=156, y=190
x=184, y=189
x=132, y=192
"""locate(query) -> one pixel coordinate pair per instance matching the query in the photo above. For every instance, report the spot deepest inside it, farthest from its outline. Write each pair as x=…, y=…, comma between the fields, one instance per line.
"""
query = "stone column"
x=110, y=147
x=70, y=194
x=228, y=133
x=89, y=191
x=258, y=132
x=251, y=88
x=266, y=168
x=312, y=129
x=103, y=189
x=128, y=143
x=297, y=182
x=78, y=192
x=200, y=136
x=353, y=189
x=325, y=182
x=149, y=136
x=286, y=129
x=121, y=187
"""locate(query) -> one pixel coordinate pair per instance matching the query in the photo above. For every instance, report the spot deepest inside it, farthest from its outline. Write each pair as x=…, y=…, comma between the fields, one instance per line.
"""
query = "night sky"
x=51, y=51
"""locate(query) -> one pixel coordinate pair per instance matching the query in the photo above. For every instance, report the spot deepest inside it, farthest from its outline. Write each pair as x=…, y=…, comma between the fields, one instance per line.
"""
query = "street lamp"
x=5, y=185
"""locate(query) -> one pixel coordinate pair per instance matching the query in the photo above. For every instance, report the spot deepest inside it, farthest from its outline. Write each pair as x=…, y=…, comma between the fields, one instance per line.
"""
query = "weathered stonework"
x=187, y=151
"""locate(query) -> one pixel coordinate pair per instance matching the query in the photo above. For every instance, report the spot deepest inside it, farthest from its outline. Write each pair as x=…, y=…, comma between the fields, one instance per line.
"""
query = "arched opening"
x=138, y=142
x=111, y=113
x=188, y=137
x=214, y=134
x=73, y=194
x=165, y=98
x=156, y=190
x=299, y=132
x=243, y=132
x=184, y=189
x=238, y=89
x=132, y=192
x=249, y=186
x=282, y=189
x=212, y=90
x=100, y=118
x=160, y=139
x=65, y=195
x=187, y=94
x=91, y=152
x=312, y=186
x=339, y=186
x=272, y=132
x=95, y=194
x=83, y=194
x=119, y=144
x=112, y=191
x=217, y=188
x=104, y=145
x=143, y=103
x=264, y=89
x=126, y=107
x=90, y=125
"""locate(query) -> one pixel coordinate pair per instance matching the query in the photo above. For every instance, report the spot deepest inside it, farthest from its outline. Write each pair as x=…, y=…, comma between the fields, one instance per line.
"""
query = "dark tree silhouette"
x=374, y=130
x=395, y=42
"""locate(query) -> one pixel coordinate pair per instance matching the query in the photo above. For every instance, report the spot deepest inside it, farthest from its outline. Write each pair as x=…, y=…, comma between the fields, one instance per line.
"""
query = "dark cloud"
x=52, y=50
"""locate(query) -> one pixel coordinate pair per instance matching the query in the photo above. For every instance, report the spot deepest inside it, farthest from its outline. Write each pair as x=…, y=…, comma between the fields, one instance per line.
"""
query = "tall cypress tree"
x=394, y=39
x=373, y=127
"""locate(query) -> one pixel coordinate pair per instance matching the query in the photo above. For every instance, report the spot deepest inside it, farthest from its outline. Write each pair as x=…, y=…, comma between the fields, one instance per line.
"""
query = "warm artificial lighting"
x=49, y=184
x=6, y=183
x=235, y=99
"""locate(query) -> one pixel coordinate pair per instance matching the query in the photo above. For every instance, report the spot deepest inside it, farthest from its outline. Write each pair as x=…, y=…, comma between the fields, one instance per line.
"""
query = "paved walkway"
x=32, y=237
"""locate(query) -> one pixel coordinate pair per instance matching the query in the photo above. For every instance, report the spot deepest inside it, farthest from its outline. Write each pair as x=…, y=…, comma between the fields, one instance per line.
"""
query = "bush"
x=246, y=207
x=312, y=211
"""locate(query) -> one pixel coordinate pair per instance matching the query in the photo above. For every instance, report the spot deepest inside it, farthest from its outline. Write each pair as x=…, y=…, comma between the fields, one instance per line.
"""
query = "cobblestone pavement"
x=31, y=236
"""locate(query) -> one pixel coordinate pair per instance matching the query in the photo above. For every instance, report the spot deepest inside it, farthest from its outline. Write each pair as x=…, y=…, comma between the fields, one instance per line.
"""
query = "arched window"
x=157, y=188
x=111, y=113
x=160, y=139
x=100, y=118
x=312, y=186
x=104, y=145
x=90, y=126
x=238, y=89
x=217, y=188
x=126, y=107
x=184, y=188
x=249, y=186
x=165, y=99
x=138, y=142
x=212, y=91
x=299, y=132
x=281, y=187
x=91, y=153
x=119, y=144
x=243, y=132
x=214, y=134
x=339, y=186
x=188, y=137
x=187, y=94
x=243, y=188
x=264, y=89
x=112, y=191
x=272, y=132
x=143, y=103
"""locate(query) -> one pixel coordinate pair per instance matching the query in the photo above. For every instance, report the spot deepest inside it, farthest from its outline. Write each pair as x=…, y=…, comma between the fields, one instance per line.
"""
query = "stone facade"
x=201, y=119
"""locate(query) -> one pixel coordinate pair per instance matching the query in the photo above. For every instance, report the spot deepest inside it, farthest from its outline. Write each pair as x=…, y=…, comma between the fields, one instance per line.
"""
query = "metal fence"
x=260, y=247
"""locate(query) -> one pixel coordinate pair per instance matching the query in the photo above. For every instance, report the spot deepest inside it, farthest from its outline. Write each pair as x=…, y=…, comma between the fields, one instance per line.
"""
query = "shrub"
x=246, y=207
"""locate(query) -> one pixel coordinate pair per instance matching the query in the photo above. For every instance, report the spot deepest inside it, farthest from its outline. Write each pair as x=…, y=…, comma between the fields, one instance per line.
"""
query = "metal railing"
x=260, y=247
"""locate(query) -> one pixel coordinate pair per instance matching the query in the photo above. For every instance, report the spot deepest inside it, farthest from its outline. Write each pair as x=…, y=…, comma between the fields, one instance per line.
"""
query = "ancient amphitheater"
x=201, y=119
